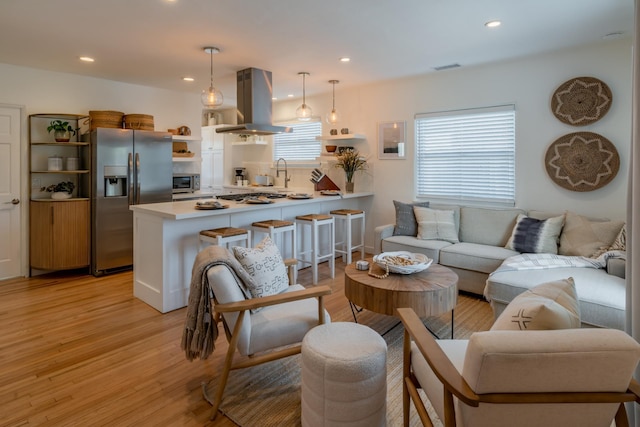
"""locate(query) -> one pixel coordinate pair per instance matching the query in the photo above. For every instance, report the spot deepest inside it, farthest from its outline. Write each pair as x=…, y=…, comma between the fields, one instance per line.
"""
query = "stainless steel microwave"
x=185, y=182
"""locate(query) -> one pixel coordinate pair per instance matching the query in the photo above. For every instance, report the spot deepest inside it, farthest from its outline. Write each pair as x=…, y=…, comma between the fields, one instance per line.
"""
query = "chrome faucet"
x=286, y=175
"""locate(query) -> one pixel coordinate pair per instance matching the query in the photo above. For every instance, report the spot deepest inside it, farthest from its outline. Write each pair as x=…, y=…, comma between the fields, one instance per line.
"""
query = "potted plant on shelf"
x=350, y=161
x=62, y=131
x=61, y=190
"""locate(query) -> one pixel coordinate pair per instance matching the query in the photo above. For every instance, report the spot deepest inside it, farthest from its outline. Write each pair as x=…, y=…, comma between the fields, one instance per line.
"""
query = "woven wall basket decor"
x=581, y=101
x=582, y=161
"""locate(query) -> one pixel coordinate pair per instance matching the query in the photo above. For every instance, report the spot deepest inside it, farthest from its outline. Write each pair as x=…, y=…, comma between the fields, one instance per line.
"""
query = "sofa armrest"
x=382, y=232
x=617, y=267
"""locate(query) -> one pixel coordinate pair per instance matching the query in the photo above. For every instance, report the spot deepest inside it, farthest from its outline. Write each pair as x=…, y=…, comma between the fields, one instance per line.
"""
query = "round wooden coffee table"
x=431, y=292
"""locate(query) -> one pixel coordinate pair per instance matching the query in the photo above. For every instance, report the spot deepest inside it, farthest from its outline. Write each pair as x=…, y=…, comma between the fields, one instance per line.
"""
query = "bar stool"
x=315, y=221
x=274, y=228
x=225, y=235
x=277, y=227
x=346, y=216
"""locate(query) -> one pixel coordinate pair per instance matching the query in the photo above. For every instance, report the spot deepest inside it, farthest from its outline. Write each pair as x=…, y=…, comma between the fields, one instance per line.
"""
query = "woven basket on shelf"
x=138, y=122
x=106, y=119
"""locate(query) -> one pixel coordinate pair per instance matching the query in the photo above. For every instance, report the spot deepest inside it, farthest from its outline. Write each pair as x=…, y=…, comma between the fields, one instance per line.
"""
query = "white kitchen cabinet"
x=212, y=172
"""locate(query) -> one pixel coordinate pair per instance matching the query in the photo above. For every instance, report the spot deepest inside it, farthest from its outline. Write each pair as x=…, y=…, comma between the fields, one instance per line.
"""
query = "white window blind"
x=301, y=144
x=467, y=155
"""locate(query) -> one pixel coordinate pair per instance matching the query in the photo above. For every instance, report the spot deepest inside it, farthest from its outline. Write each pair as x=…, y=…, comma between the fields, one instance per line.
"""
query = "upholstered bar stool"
x=346, y=218
x=225, y=235
x=314, y=222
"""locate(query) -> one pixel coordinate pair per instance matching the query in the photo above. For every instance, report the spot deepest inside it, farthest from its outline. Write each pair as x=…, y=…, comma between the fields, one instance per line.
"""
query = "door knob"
x=14, y=201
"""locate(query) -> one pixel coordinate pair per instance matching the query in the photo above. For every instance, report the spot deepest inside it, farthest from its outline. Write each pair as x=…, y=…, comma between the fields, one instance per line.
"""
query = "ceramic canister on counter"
x=73, y=163
x=54, y=163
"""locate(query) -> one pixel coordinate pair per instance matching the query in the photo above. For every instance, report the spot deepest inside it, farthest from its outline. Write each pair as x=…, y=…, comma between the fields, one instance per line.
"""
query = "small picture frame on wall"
x=391, y=140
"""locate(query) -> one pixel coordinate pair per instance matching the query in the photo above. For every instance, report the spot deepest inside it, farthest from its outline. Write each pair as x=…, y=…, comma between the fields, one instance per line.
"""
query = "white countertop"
x=179, y=210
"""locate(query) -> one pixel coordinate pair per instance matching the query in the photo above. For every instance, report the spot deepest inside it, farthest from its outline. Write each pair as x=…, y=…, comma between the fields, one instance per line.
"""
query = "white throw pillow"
x=536, y=236
x=264, y=263
x=436, y=224
x=552, y=305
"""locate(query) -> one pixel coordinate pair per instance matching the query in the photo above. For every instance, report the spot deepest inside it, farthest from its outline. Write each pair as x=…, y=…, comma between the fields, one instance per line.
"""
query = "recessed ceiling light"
x=86, y=59
x=492, y=24
x=188, y=79
x=290, y=95
x=275, y=98
x=345, y=59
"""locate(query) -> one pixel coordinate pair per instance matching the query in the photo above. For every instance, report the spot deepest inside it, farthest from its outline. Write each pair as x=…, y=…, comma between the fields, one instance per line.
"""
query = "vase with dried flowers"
x=351, y=161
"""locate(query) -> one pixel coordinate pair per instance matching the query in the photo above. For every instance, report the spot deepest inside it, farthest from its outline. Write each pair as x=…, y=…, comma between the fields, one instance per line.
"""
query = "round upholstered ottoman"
x=344, y=376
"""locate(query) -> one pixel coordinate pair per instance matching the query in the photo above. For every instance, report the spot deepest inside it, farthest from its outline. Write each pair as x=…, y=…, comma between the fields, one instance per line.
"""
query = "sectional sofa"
x=481, y=239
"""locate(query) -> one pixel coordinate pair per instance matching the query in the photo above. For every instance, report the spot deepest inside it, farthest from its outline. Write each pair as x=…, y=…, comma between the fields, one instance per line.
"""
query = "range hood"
x=254, y=105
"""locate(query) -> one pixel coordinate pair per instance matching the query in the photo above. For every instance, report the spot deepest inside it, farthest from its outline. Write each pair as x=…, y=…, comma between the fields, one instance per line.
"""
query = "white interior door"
x=10, y=204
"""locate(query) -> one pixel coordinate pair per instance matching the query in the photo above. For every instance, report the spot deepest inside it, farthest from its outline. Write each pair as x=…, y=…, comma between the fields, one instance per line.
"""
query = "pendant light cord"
x=211, y=72
x=304, y=98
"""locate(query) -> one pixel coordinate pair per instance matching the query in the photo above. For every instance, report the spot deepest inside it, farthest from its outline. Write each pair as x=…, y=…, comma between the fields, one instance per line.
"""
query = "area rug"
x=269, y=394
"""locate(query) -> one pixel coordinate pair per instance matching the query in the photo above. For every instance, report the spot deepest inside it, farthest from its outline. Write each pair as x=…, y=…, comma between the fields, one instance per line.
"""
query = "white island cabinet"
x=165, y=238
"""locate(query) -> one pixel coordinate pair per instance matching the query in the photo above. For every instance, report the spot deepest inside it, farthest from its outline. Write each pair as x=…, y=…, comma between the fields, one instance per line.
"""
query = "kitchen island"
x=165, y=238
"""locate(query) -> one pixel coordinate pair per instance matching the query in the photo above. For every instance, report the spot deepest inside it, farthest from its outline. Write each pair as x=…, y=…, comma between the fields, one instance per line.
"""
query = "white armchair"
x=571, y=377
x=261, y=329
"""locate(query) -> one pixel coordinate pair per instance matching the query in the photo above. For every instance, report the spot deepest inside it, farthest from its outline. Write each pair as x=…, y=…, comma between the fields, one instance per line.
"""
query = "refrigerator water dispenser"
x=115, y=186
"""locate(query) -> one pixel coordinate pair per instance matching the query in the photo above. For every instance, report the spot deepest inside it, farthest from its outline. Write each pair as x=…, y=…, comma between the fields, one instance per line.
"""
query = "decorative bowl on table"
x=402, y=262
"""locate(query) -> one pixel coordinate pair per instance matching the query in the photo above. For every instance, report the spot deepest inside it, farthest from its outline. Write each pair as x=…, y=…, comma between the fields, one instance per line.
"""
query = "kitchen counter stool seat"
x=315, y=221
x=275, y=228
x=225, y=235
x=346, y=216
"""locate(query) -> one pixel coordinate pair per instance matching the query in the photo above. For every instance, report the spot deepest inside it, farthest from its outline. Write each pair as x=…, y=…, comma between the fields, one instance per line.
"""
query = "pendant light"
x=212, y=97
x=303, y=112
x=332, y=117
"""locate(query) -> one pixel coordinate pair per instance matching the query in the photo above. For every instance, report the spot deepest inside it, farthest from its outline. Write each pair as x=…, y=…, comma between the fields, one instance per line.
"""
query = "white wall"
x=48, y=92
x=42, y=91
x=529, y=84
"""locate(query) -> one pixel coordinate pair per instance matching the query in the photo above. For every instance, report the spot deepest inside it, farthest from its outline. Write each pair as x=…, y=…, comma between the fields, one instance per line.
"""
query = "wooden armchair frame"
x=241, y=307
x=455, y=385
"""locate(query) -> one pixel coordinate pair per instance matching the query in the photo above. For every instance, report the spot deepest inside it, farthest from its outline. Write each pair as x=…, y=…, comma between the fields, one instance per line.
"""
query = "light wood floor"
x=76, y=350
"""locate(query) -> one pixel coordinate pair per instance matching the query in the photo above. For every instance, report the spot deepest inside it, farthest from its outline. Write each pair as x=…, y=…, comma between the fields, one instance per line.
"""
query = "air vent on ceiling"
x=446, y=67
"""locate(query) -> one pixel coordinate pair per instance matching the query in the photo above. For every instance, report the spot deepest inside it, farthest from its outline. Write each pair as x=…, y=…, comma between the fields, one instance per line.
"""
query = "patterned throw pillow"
x=406, y=224
x=536, y=236
x=620, y=244
x=552, y=305
x=583, y=237
x=435, y=224
x=264, y=263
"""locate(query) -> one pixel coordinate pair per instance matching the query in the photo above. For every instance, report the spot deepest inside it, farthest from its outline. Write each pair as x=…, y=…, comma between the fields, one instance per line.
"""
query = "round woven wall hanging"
x=582, y=161
x=581, y=101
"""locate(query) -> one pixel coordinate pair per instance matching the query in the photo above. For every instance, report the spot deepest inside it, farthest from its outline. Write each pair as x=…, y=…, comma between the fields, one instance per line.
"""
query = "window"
x=467, y=155
x=299, y=145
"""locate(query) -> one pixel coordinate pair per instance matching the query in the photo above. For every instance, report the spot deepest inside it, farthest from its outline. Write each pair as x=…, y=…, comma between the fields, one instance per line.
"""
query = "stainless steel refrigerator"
x=129, y=167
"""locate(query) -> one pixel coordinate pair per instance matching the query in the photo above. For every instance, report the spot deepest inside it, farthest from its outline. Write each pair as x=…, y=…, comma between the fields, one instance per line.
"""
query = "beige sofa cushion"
x=583, y=237
x=435, y=224
x=487, y=226
x=552, y=305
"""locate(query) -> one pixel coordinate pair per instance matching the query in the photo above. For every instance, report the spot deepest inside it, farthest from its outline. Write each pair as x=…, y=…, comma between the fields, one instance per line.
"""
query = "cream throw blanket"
x=200, y=331
x=547, y=261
